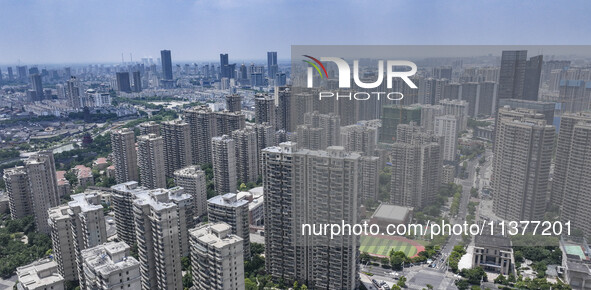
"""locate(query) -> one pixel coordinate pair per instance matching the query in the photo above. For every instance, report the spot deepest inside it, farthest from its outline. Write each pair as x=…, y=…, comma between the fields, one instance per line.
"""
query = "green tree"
x=401, y=282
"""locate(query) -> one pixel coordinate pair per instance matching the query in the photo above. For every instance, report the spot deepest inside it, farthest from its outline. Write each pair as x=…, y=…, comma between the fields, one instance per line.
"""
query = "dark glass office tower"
x=166, y=64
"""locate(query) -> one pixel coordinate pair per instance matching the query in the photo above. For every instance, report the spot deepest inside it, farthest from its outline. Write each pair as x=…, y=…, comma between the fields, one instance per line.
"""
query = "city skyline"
x=192, y=29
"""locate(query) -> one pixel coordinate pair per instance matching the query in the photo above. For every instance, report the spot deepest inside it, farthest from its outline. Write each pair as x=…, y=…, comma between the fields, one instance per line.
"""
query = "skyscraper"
x=283, y=109
x=521, y=165
x=177, y=145
x=192, y=180
x=217, y=260
x=247, y=159
x=233, y=103
x=264, y=110
x=564, y=144
x=234, y=212
x=19, y=192
x=137, y=82
x=37, y=86
x=40, y=169
x=123, y=83
x=124, y=155
x=201, y=122
x=533, y=73
x=416, y=170
x=166, y=59
x=224, y=164
x=272, y=67
x=224, y=66
x=447, y=127
x=311, y=187
x=74, y=93
x=151, y=161
x=512, y=74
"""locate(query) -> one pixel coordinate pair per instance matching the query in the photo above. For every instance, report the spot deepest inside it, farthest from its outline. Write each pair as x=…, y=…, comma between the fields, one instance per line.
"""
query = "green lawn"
x=382, y=246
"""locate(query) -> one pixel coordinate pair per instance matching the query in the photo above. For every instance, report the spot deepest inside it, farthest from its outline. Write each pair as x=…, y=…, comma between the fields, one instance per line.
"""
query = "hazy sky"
x=72, y=31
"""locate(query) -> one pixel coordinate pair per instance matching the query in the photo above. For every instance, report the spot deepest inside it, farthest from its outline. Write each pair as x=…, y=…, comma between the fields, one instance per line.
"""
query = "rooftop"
x=392, y=212
x=492, y=241
x=109, y=257
x=216, y=235
x=38, y=274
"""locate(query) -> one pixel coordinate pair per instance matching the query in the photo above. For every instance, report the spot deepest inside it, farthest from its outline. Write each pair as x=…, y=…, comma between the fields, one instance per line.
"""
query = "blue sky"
x=72, y=31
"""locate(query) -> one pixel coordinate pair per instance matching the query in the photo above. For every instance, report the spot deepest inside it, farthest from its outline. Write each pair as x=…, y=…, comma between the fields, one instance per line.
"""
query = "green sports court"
x=381, y=245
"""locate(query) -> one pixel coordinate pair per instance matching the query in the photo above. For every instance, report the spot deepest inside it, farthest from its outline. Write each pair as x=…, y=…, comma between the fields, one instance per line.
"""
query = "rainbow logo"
x=315, y=66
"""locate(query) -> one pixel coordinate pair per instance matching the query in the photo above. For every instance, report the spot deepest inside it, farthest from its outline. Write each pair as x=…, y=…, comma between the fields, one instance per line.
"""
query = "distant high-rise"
x=291, y=181
x=392, y=115
x=224, y=164
x=224, y=66
x=369, y=168
x=521, y=165
x=564, y=150
x=177, y=145
x=123, y=83
x=487, y=98
x=283, y=109
x=166, y=59
x=272, y=67
x=574, y=96
x=21, y=72
x=137, y=82
x=40, y=169
x=447, y=127
x=151, y=161
x=124, y=155
x=247, y=159
x=533, y=73
x=110, y=266
x=331, y=123
x=37, y=86
x=545, y=108
x=264, y=110
x=10, y=74
x=192, y=180
x=359, y=138
x=416, y=170
x=228, y=209
x=234, y=103
x=311, y=138
x=458, y=108
x=217, y=260
x=150, y=127
x=74, y=93
x=442, y=72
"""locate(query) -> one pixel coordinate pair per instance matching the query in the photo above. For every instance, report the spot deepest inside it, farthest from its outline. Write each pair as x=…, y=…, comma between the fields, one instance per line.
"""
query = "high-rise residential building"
x=123, y=82
x=42, y=274
x=458, y=108
x=331, y=123
x=224, y=164
x=512, y=74
x=315, y=187
x=431, y=90
x=416, y=170
x=150, y=127
x=124, y=155
x=137, y=81
x=533, y=74
x=359, y=138
x=192, y=180
x=151, y=161
x=247, y=159
x=265, y=136
x=74, y=93
x=442, y=72
x=272, y=67
x=234, y=103
x=37, y=86
x=447, y=127
x=166, y=59
x=186, y=213
x=452, y=91
x=393, y=115
x=264, y=110
x=487, y=98
x=10, y=74
x=471, y=94
x=521, y=165
x=76, y=226
x=110, y=266
x=229, y=209
x=311, y=138
x=217, y=260
x=545, y=108
x=206, y=124
x=19, y=192
x=564, y=153
x=158, y=239
x=576, y=194
x=369, y=168
x=177, y=145
x=573, y=96
x=21, y=72
x=283, y=109
x=448, y=174
x=428, y=114
x=40, y=169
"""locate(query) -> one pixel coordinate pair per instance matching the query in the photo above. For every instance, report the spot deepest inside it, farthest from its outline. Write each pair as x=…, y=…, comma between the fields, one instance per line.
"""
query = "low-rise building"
x=84, y=175
x=389, y=214
x=494, y=254
x=63, y=185
x=576, y=263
